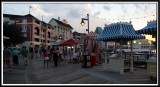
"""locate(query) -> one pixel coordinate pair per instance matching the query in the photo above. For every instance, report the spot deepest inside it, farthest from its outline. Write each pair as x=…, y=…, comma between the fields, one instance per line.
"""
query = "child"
x=46, y=57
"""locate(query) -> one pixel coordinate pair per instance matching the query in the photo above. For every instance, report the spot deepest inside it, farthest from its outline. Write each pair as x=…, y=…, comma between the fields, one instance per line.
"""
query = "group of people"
x=13, y=54
x=47, y=54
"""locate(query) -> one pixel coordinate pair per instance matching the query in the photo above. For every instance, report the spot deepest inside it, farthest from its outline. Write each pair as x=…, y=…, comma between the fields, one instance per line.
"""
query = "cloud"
x=9, y=7
x=74, y=13
x=107, y=8
x=97, y=13
x=143, y=8
x=124, y=8
x=38, y=10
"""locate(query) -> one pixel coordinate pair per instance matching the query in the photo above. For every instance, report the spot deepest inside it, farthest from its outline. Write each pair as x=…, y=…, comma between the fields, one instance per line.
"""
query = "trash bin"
x=85, y=61
x=152, y=67
x=93, y=59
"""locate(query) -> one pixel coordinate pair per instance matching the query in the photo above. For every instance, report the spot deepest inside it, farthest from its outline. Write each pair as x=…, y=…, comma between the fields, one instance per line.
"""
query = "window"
x=25, y=35
x=24, y=28
x=24, y=21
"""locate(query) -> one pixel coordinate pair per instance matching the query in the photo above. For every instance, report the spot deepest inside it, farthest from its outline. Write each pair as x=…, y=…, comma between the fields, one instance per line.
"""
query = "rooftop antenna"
x=29, y=9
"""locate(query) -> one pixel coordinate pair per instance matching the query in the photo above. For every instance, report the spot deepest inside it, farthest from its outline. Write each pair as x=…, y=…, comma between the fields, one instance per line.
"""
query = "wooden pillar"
x=105, y=51
x=131, y=58
x=121, y=59
x=115, y=46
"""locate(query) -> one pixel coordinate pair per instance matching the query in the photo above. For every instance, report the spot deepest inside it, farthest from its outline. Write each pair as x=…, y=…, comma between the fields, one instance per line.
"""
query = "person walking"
x=58, y=55
x=31, y=52
x=75, y=57
x=78, y=56
x=46, y=57
x=7, y=56
x=24, y=55
x=36, y=52
x=40, y=52
x=55, y=57
x=15, y=54
x=51, y=53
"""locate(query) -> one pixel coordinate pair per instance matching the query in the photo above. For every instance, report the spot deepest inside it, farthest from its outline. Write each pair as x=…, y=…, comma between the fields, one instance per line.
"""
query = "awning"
x=120, y=30
x=55, y=43
x=149, y=29
x=69, y=42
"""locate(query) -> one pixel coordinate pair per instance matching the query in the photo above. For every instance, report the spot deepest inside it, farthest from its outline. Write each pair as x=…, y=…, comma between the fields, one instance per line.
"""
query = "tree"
x=15, y=34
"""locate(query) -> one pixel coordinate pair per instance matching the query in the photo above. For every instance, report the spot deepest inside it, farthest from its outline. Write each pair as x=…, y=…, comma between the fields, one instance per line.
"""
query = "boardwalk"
x=68, y=73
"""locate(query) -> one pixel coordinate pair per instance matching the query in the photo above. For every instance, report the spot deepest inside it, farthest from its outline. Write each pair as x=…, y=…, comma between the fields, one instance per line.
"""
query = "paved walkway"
x=68, y=73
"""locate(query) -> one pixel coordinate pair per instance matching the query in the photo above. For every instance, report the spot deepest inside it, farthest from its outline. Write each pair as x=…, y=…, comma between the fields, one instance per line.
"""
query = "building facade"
x=36, y=32
x=62, y=30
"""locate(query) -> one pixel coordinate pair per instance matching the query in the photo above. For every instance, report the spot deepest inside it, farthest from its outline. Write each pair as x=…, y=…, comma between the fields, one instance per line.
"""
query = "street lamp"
x=82, y=22
x=128, y=44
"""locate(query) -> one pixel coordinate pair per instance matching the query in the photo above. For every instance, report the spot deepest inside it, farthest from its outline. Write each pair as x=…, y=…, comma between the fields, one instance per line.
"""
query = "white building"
x=62, y=30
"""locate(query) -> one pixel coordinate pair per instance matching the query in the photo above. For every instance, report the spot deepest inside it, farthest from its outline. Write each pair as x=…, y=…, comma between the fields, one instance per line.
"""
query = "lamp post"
x=82, y=22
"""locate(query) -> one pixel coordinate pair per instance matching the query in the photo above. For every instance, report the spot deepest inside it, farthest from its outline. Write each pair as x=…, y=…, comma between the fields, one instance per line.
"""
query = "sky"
x=100, y=13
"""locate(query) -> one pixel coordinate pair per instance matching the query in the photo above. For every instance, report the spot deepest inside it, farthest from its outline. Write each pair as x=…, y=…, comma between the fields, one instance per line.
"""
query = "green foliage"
x=13, y=33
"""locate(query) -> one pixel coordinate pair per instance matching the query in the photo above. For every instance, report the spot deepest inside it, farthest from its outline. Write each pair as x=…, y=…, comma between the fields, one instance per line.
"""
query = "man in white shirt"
x=75, y=57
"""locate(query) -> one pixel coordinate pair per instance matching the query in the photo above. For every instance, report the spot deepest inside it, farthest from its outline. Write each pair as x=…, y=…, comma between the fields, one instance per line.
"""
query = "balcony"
x=36, y=36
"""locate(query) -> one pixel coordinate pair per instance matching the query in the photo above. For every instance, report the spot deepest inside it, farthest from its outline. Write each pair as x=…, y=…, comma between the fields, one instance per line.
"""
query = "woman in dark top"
x=54, y=55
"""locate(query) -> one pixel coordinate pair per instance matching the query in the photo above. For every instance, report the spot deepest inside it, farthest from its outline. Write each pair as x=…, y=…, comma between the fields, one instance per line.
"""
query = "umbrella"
x=69, y=42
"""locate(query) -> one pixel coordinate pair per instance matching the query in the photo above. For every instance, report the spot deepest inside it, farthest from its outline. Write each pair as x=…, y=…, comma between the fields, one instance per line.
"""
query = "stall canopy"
x=120, y=30
x=149, y=29
x=89, y=40
x=91, y=35
x=69, y=42
x=98, y=30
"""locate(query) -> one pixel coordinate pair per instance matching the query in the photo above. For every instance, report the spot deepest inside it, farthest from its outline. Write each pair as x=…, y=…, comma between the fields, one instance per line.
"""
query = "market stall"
x=93, y=48
x=70, y=42
x=118, y=32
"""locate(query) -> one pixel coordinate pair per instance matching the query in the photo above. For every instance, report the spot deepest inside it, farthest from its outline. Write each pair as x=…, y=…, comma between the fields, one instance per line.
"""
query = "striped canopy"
x=149, y=29
x=69, y=42
x=92, y=35
x=120, y=30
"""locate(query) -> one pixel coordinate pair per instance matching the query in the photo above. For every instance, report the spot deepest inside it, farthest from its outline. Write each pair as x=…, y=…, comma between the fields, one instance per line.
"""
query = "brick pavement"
x=68, y=73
